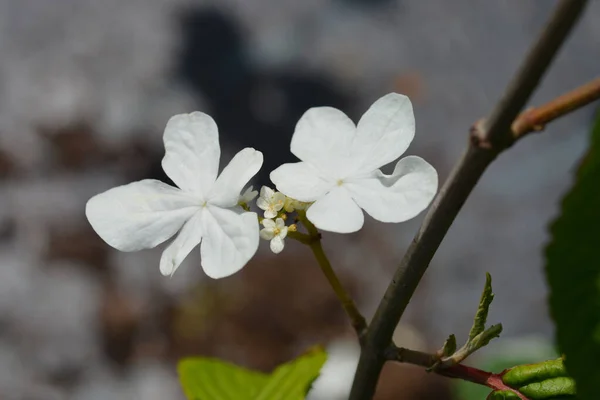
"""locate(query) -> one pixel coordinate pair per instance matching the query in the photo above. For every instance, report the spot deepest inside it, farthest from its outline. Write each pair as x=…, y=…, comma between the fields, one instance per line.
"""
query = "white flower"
x=248, y=195
x=204, y=209
x=275, y=231
x=340, y=161
x=270, y=201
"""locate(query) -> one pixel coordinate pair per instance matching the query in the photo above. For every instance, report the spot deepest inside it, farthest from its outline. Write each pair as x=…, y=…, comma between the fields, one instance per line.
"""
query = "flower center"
x=340, y=182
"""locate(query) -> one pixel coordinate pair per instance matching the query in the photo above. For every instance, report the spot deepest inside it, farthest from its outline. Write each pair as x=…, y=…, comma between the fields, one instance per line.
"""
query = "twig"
x=358, y=321
x=535, y=119
x=532, y=70
x=457, y=371
x=488, y=140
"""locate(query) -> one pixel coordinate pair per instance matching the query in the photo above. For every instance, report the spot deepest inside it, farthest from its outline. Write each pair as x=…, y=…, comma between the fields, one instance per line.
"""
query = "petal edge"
x=400, y=196
x=139, y=215
x=336, y=212
x=188, y=237
x=192, y=151
x=300, y=181
x=228, y=186
x=384, y=132
x=230, y=241
x=322, y=138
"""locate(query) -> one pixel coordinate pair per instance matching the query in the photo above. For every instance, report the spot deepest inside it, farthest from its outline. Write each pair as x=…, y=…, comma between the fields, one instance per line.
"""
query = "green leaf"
x=573, y=273
x=550, y=388
x=291, y=381
x=502, y=395
x=485, y=337
x=484, y=306
x=213, y=379
x=524, y=374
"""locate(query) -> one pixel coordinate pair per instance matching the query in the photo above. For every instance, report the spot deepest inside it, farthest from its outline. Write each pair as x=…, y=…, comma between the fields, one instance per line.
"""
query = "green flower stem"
x=313, y=240
x=358, y=321
x=301, y=237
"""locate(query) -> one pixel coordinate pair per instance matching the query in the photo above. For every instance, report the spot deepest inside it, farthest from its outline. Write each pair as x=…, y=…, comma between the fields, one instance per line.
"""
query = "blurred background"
x=86, y=88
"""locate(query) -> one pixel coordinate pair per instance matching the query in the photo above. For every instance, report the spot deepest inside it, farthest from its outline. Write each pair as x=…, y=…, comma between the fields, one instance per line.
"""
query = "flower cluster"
x=338, y=177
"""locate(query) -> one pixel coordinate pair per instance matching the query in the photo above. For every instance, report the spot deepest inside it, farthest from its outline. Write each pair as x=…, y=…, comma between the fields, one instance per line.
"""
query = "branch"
x=533, y=69
x=535, y=119
x=457, y=371
x=488, y=140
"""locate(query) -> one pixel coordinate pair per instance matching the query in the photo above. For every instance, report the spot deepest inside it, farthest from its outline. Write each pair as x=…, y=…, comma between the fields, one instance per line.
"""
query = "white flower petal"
x=269, y=223
x=266, y=192
x=267, y=233
x=248, y=195
x=262, y=203
x=384, y=132
x=278, y=200
x=189, y=237
x=301, y=181
x=139, y=215
x=336, y=212
x=323, y=138
x=230, y=240
x=279, y=223
x=192, y=152
x=400, y=196
x=242, y=167
x=277, y=244
x=283, y=232
x=270, y=213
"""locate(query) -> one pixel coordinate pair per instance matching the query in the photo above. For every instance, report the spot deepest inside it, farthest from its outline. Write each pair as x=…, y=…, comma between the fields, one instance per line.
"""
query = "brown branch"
x=491, y=138
x=535, y=119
